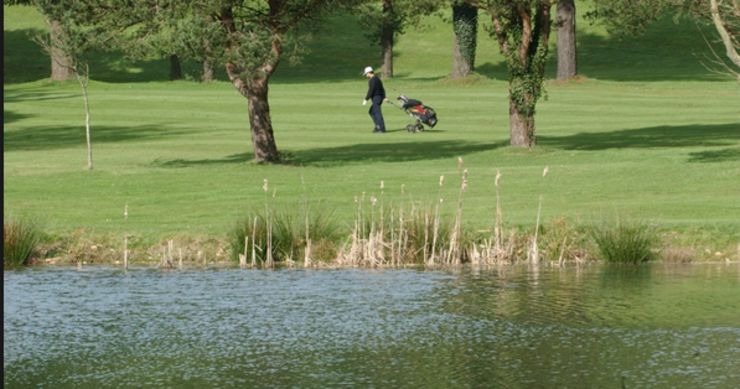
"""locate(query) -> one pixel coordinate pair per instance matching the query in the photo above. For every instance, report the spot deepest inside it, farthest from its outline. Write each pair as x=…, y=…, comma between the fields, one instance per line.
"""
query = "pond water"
x=595, y=326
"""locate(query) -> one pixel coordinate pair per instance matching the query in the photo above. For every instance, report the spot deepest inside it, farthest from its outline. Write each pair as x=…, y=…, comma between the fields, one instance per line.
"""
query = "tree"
x=629, y=17
x=383, y=21
x=61, y=69
x=248, y=37
x=72, y=42
x=522, y=29
x=567, y=51
x=727, y=28
x=465, y=27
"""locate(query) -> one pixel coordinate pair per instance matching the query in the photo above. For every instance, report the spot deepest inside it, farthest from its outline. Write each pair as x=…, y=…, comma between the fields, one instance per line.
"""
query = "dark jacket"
x=375, y=88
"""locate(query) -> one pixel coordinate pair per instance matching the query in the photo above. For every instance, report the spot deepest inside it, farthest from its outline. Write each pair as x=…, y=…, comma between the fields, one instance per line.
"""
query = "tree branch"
x=731, y=50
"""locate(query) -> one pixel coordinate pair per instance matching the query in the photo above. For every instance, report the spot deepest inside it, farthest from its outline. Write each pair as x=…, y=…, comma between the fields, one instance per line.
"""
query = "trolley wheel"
x=411, y=128
x=419, y=127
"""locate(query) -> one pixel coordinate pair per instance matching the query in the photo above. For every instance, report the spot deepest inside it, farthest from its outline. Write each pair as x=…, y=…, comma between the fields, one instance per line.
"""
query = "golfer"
x=376, y=94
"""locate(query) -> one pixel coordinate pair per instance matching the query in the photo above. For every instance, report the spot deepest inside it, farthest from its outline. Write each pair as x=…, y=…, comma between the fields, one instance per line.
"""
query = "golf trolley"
x=422, y=114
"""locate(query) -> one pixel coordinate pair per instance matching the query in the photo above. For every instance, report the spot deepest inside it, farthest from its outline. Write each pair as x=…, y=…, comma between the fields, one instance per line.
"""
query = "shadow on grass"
x=10, y=116
x=657, y=137
x=23, y=60
x=361, y=153
x=391, y=152
x=725, y=155
x=17, y=95
x=61, y=137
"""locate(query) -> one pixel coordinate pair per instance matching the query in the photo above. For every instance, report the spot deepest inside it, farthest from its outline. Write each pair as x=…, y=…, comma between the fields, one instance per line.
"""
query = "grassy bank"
x=650, y=133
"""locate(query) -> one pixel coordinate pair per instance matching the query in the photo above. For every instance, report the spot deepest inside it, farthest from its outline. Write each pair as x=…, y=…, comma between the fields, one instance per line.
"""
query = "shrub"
x=624, y=240
x=21, y=237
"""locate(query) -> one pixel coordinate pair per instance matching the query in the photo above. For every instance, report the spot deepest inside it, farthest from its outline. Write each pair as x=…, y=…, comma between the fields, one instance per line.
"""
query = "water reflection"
x=511, y=326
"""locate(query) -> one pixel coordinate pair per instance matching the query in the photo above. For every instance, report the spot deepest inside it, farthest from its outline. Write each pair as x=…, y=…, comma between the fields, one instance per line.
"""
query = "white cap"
x=368, y=69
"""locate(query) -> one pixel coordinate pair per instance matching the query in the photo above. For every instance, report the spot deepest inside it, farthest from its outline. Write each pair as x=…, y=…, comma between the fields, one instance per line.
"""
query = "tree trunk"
x=526, y=50
x=567, y=52
x=61, y=64
x=208, y=72
x=460, y=67
x=208, y=67
x=521, y=128
x=254, y=88
x=386, y=41
x=88, y=135
x=260, y=123
x=263, y=139
x=729, y=41
x=465, y=26
x=175, y=69
x=84, y=80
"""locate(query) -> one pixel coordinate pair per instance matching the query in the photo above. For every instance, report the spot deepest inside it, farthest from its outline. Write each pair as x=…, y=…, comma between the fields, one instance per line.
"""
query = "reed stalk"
x=254, y=246
x=454, y=255
x=125, y=253
x=534, y=253
x=497, y=228
x=243, y=257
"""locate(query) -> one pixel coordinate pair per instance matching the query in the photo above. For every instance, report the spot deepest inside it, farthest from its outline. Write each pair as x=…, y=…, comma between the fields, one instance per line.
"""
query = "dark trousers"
x=377, y=114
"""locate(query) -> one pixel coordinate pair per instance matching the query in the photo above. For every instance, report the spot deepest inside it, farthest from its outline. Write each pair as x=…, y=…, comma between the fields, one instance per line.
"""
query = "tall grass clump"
x=21, y=237
x=620, y=239
x=287, y=234
x=564, y=239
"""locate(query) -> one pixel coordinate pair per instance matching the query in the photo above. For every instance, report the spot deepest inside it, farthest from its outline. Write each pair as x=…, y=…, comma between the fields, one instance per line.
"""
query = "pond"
x=515, y=326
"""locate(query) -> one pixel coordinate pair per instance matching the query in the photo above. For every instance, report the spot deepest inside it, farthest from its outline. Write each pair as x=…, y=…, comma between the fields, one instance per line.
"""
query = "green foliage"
x=397, y=15
x=465, y=25
x=21, y=237
x=624, y=240
x=78, y=35
x=564, y=238
x=627, y=17
x=251, y=36
x=523, y=33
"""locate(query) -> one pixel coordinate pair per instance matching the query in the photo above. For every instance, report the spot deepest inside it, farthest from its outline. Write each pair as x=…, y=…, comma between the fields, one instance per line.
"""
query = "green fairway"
x=647, y=131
